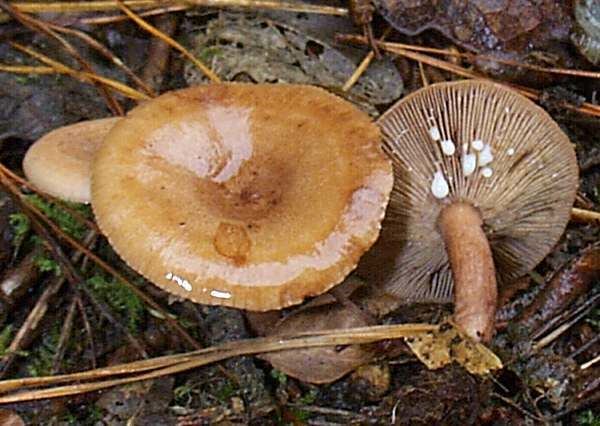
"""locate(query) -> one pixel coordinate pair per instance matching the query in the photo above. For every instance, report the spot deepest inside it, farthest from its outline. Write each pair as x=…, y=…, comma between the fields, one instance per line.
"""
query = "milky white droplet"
x=510, y=151
x=434, y=132
x=439, y=186
x=486, y=156
x=477, y=144
x=487, y=172
x=469, y=162
x=220, y=294
x=448, y=147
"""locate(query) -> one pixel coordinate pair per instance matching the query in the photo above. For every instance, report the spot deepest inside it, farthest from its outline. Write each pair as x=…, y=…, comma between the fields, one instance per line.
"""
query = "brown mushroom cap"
x=252, y=196
x=59, y=163
x=524, y=203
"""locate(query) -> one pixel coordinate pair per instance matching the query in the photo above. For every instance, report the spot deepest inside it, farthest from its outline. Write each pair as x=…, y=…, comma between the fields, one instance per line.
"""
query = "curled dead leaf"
x=326, y=364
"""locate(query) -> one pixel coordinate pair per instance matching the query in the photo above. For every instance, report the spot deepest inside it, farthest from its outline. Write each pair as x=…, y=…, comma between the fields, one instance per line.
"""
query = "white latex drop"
x=439, y=186
x=486, y=156
x=477, y=144
x=510, y=151
x=448, y=147
x=469, y=162
x=434, y=132
x=487, y=172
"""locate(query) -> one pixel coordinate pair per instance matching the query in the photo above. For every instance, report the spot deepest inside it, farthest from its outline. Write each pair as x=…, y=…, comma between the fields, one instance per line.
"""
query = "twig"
x=585, y=216
x=110, y=270
x=590, y=362
x=88, y=330
x=41, y=26
x=549, y=338
x=328, y=411
x=25, y=333
x=585, y=346
x=552, y=293
x=471, y=57
x=77, y=215
x=168, y=365
x=158, y=53
x=70, y=273
x=17, y=280
x=92, y=42
x=364, y=64
x=424, y=80
x=152, y=30
x=518, y=407
x=103, y=20
x=65, y=334
x=585, y=108
x=27, y=69
x=79, y=75
x=97, y=6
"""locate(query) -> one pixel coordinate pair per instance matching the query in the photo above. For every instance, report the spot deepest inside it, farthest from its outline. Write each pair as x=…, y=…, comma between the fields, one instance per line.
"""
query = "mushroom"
x=484, y=212
x=251, y=196
x=59, y=163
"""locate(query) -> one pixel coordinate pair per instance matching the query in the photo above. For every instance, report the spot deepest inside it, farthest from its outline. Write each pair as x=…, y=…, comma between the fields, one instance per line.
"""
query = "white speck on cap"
x=486, y=156
x=510, y=151
x=183, y=283
x=448, y=147
x=434, y=132
x=439, y=186
x=487, y=172
x=477, y=144
x=220, y=294
x=469, y=162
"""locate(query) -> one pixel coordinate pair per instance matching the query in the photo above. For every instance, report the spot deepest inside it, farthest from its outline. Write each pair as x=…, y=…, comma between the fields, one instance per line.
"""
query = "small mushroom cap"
x=59, y=163
x=512, y=162
x=252, y=196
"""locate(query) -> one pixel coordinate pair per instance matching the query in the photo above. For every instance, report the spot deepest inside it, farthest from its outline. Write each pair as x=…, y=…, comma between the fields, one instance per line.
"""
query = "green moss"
x=47, y=264
x=208, y=53
x=25, y=79
x=183, y=395
x=6, y=336
x=309, y=397
x=119, y=297
x=41, y=358
x=588, y=418
x=301, y=415
x=65, y=220
x=594, y=318
x=280, y=376
x=21, y=226
x=226, y=391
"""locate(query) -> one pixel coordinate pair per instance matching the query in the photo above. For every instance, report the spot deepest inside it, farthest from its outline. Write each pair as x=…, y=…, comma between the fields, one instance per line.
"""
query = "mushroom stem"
x=475, y=292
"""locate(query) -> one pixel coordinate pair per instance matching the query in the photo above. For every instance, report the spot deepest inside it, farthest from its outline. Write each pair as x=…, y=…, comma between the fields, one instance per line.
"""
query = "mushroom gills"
x=513, y=169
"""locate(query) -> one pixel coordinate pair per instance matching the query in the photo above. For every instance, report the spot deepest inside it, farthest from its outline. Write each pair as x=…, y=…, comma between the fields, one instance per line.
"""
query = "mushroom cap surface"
x=59, y=163
x=251, y=196
x=510, y=160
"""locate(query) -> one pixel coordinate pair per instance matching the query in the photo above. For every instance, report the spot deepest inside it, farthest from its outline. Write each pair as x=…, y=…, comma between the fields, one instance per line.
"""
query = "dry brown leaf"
x=326, y=364
x=10, y=418
x=438, y=348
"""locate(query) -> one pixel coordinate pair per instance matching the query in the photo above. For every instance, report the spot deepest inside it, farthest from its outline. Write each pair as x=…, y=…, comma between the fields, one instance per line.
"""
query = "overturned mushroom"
x=485, y=180
x=252, y=196
x=59, y=163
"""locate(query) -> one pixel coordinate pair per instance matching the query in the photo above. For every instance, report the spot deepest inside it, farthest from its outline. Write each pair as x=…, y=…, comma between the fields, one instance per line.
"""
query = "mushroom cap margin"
x=187, y=220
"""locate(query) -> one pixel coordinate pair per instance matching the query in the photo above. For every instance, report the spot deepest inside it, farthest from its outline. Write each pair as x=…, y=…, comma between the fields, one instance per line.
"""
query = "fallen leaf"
x=438, y=348
x=320, y=365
